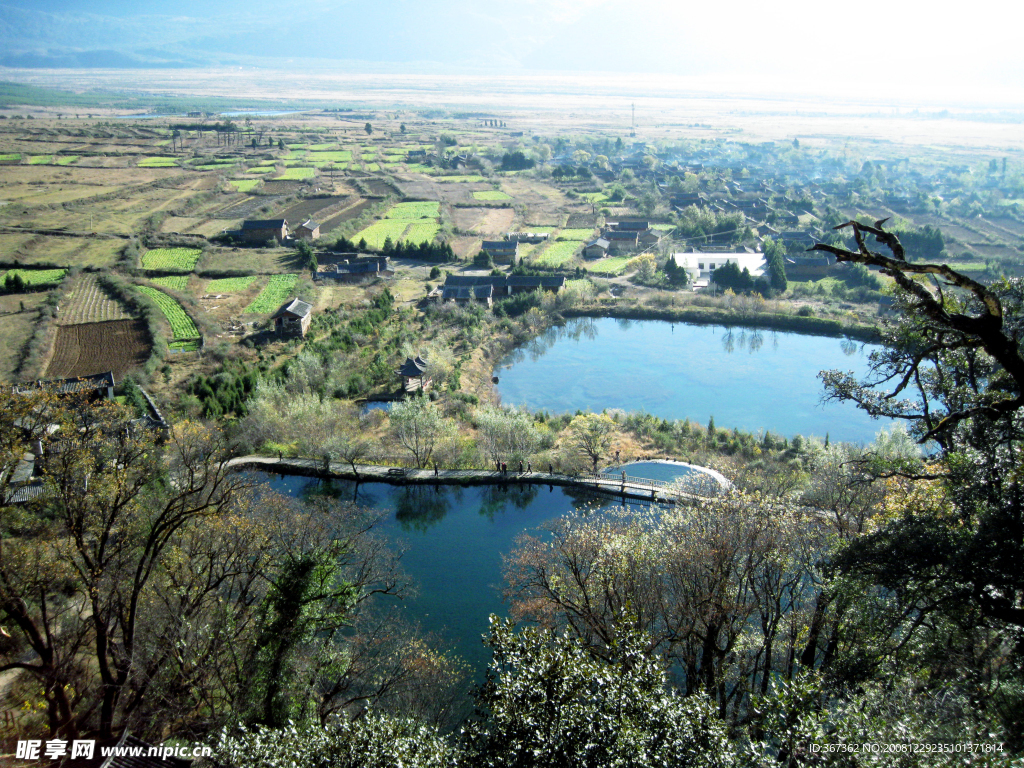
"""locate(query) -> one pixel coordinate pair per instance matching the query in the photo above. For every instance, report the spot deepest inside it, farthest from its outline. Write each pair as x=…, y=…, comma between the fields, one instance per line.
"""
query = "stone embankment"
x=711, y=483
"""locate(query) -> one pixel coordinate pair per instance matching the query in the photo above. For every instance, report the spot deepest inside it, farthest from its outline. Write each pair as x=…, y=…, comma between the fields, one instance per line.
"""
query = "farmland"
x=244, y=185
x=273, y=295
x=36, y=276
x=558, y=253
x=183, y=259
x=84, y=349
x=491, y=195
x=297, y=174
x=377, y=233
x=429, y=210
x=575, y=234
x=174, y=282
x=614, y=265
x=87, y=302
x=421, y=232
x=158, y=162
x=182, y=326
x=229, y=284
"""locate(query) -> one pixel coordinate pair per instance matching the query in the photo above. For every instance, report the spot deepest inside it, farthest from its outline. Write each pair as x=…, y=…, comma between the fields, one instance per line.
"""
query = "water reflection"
x=689, y=372
x=420, y=507
x=495, y=499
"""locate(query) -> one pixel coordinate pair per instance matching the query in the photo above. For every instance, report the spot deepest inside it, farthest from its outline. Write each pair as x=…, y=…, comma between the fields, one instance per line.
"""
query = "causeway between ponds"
x=630, y=487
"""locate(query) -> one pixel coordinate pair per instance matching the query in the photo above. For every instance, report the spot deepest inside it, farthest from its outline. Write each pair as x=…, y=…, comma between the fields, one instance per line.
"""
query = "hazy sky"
x=871, y=46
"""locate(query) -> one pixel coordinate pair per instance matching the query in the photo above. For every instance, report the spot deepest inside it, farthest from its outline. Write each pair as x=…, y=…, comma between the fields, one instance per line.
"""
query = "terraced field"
x=229, y=284
x=423, y=210
x=85, y=349
x=182, y=259
x=157, y=162
x=87, y=302
x=614, y=265
x=421, y=232
x=377, y=233
x=183, y=329
x=273, y=295
x=490, y=195
x=36, y=276
x=297, y=174
x=174, y=282
x=244, y=185
x=558, y=253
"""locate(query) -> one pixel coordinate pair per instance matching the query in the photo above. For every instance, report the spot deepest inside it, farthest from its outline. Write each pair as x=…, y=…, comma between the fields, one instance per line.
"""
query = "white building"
x=702, y=266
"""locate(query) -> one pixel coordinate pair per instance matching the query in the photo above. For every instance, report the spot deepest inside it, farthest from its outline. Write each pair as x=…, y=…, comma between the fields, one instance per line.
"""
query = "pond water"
x=454, y=539
x=748, y=378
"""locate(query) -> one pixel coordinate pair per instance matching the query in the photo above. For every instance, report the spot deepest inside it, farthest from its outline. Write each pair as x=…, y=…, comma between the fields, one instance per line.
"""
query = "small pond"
x=454, y=538
x=748, y=378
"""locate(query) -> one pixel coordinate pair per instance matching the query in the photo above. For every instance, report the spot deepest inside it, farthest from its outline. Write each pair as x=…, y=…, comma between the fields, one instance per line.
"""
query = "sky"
x=892, y=47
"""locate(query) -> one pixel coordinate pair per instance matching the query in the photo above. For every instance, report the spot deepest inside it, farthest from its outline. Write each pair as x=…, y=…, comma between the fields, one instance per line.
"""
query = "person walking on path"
x=529, y=468
x=504, y=468
x=520, y=467
x=435, y=469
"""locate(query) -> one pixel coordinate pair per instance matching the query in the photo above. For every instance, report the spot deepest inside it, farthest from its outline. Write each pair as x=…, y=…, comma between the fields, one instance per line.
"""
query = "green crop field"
x=421, y=232
x=459, y=179
x=491, y=195
x=36, y=276
x=321, y=147
x=229, y=284
x=157, y=162
x=371, y=167
x=182, y=259
x=273, y=295
x=575, y=234
x=375, y=234
x=40, y=159
x=538, y=229
x=10, y=158
x=175, y=282
x=594, y=197
x=297, y=174
x=262, y=169
x=557, y=254
x=615, y=265
x=182, y=326
x=67, y=159
x=418, y=168
x=244, y=185
x=369, y=156
x=426, y=210
x=340, y=156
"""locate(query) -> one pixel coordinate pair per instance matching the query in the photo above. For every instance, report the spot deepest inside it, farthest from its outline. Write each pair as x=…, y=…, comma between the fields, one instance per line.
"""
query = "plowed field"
x=88, y=348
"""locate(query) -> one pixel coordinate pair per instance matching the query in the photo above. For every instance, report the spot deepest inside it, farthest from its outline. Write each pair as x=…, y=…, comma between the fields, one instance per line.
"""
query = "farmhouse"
x=308, y=230
x=596, y=249
x=464, y=294
x=501, y=250
x=505, y=285
x=810, y=267
x=261, y=230
x=293, y=318
x=355, y=269
x=526, y=237
x=702, y=265
x=619, y=241
x=99, y=386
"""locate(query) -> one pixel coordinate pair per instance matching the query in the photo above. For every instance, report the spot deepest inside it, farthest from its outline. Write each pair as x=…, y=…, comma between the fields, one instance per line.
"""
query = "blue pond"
x=747, y=378
x=454, y=539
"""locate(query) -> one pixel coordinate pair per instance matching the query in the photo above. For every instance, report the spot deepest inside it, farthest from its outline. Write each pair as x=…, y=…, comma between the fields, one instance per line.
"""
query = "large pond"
x=454, y=539
x=747, y=378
